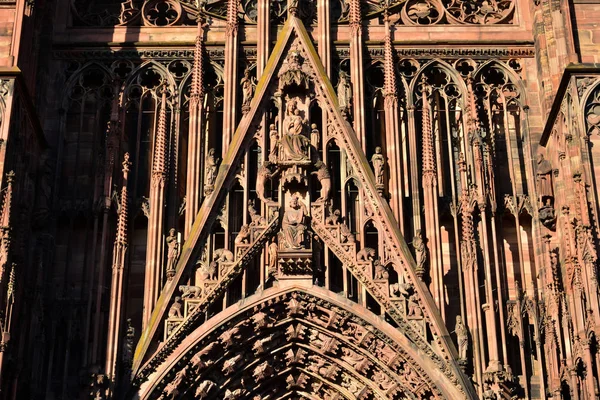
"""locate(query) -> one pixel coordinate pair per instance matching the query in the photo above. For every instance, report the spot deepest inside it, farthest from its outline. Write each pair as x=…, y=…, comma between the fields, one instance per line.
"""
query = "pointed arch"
x=429, y=335
x=285, y=332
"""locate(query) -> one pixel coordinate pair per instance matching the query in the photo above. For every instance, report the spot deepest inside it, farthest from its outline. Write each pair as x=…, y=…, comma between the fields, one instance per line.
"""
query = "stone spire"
x=159, y=161
x=355, y=17
x=428, y=146
x=197, y=88
x=232, y=17
x=389, y=85
x=121, y=239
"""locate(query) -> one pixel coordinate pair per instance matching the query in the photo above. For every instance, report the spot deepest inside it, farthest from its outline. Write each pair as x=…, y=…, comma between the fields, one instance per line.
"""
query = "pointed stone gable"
x=440, y=350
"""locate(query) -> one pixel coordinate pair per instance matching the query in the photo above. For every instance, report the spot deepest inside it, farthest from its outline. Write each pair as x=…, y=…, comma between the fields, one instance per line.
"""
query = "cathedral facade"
x=299, y=199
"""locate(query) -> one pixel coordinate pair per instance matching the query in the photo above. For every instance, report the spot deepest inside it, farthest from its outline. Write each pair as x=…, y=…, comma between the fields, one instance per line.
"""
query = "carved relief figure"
x=172, y=252
x=325, y=179
x=293, y=225
x=462, y=338
x=344, y=93
x=378, y=161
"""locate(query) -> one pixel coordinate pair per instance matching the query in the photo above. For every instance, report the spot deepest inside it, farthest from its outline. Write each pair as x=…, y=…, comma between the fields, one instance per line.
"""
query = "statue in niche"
x=544, y=178
x=212, y=164
x=293, y=226
x=378, y=161
x=420, y=253
x=172, y=252
x=273, y=143
x=273, y=253
x=344, y=93
x=248, y=85
x=324, y=178
x=462, y=338
x=294, y=144
x=315, y=136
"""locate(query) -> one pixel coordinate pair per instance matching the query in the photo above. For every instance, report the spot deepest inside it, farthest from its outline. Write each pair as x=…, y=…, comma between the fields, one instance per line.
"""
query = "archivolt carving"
x=308, y=345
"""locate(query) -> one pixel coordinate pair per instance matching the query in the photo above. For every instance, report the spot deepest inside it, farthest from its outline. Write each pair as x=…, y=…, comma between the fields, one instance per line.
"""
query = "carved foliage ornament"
x=183, y=12
x=428, y=12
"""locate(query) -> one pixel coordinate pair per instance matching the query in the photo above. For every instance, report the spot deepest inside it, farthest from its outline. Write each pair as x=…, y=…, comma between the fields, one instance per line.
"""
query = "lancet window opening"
x=141, y=118
x=88, y=112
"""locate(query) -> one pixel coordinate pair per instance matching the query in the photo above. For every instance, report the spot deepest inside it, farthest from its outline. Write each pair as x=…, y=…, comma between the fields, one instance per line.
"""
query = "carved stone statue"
x=344, y=93
x=243, y=237
x=293, y=225
x=204, y=389
x=223, y=255
x=175, y=310
x=346, y=235
x=420, y=252
x=334, y=216
x=488, y=393
x=462, y=337
x=378, y=161
x=315, y=136
x=273, y=253
x=255, y=218
x=366, y=254
x=212, y=164
x=273, y=143
x=172, y=252
x=190, y=292
x=294, y=144
x=247, y=90
x=324, y=178
x=400, y=290
x=413, y=306
x=263, y=174
x=380, y=271
x=544, y=179
x=129, y=343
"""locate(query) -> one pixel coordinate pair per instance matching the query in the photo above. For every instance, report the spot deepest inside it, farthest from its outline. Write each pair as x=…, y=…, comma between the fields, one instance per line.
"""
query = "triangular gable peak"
x=295, y=76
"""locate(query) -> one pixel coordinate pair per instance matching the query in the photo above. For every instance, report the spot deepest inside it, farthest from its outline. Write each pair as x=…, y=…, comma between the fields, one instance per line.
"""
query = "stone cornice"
x=217, y=52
